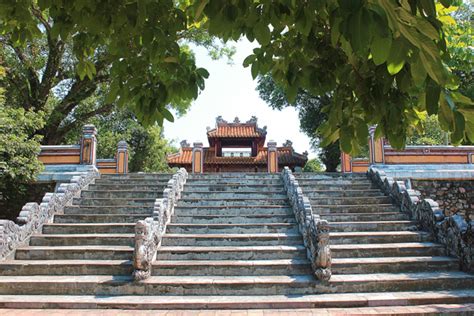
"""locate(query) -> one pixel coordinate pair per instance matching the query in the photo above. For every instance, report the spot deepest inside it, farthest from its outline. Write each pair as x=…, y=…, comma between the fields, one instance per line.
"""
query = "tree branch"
x=82, y=118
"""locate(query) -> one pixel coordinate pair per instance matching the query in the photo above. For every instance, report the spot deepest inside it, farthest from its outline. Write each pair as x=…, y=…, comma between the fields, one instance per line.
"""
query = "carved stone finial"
x=184, y=143
x=219, y=120
x=323, y=255
x=288, y=143
x=122, y=145
x=306, y=153
x=253, y=120
x=236, y=120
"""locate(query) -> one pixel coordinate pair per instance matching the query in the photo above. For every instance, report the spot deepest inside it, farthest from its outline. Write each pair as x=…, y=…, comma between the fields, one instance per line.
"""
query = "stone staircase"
x=94, y=236
x=232, y=243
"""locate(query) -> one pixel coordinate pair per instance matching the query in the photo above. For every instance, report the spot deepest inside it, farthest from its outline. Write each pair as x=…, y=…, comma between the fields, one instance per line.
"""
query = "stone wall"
x=452, y=196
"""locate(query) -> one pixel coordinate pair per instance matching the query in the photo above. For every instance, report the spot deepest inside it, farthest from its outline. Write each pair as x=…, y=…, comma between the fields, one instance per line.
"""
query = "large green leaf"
x=432, y=97
x=380, y=49
x=396, y=58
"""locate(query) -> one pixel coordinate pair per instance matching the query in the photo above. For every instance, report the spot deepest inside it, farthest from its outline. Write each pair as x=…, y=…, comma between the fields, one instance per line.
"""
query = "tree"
x=313, y=165
x=311, y=115
x=56, y=70
x=382, y=60
x=147, y=148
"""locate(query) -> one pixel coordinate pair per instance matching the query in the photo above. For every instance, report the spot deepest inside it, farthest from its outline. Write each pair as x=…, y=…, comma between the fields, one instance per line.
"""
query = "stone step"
x=233, y=211
x=329, y=175
x=403, y=302
x=417, y=249
x=338, y=238
x=114, y=201
x=66, y=267
x=238, y=176
x=99, y=218
x=97, y=209
x=337, y=187
x=335, y=182
x=232, y=201
x=373, y=226
x=235, y=187
x=112, y=194
x=223, y=240
x=74, y=253
x=89, y=228
x=393, y=265
x=120, y=182
x=382, y=216
x=83, y=240
x=231, y=253
x=127, y=186
x=243, y=228
x=329, y=209
x=233, y=181
x=139, y=176
x=360, y=200
x=231, y=267
x=314, y=193
x=234, y=195
x=233, y=285
x=233, y=219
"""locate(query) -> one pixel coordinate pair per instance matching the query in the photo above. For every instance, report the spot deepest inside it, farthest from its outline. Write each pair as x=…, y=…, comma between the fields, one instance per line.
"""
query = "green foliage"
x=311, y=115
x=19, y=164
x=431, y=134
x=375, y=57
x=80, y=64
x=313, y=165
x=18, y=149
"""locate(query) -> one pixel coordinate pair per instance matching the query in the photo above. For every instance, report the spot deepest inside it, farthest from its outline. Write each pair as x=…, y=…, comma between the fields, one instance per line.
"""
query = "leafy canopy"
x=383, y=60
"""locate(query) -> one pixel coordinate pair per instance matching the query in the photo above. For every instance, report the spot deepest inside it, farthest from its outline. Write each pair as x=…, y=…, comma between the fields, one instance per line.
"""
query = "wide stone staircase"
x=232, y=243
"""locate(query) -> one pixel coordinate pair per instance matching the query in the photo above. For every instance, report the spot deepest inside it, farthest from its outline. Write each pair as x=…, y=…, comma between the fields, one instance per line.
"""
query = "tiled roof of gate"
x=285, y=156
x=235, y=131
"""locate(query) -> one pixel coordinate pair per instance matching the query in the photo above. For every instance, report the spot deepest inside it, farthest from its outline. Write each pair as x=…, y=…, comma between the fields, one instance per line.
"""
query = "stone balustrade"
x=315, y=230
x=85, y=153
x=34, y=215
x=149, y=232
x=455, y=232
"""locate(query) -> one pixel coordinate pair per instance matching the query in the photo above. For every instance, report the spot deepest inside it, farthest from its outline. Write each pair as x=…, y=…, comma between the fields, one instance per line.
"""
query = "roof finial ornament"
x=219, y=120
x=288, y=143
x=184, y=143
x=305, y=153
x=236, y=120
x=253, y=120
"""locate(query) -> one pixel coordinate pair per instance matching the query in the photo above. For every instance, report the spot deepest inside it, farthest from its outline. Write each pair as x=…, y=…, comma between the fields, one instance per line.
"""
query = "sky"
x=230, y=92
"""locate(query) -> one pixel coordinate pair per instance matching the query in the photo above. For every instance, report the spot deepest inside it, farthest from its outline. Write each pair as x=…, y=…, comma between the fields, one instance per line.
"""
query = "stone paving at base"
x=439, y=309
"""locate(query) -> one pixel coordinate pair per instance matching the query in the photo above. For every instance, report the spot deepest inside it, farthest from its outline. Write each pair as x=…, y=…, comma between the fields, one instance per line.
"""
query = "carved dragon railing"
x=315, y=230
x=149, y=232
x=33, y=216
x=455, y=232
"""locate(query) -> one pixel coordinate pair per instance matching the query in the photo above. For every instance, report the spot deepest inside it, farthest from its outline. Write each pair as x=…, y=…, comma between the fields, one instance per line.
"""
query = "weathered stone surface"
x=455, y=232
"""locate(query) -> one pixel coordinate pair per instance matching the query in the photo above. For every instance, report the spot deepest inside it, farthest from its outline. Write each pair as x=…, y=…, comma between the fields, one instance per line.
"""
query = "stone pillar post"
x=198, y=157
x=88, y=145
x=122, y=157
x=346, y=163
x=376, y=150
x=272, y=157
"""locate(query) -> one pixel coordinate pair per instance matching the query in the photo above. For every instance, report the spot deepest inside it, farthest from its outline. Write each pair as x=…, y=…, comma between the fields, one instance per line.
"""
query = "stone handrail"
x=315, y=230
x=149, y=232
x=454, y=232
x=33, y=216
